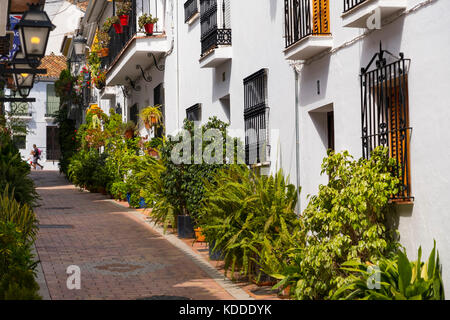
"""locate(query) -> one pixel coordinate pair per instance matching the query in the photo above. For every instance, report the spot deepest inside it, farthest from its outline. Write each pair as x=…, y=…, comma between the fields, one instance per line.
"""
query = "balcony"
x=307, y=28
x=357, y=12
x=130, y=52
x=190, y=11
x=216, y=41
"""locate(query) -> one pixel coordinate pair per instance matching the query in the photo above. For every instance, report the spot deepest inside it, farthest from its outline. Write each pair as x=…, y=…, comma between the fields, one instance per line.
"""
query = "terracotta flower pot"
x=152, y=152
x=118, y=27
x=124, y=20
x=129, y=134
x=153, y=120
x=149, y=28
x=104, y=52
x=199, y=236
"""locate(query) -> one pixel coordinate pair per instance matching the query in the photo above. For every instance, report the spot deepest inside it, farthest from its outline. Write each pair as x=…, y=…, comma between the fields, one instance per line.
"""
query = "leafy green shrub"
x=15, y=173
x=399, y=279
x=20, y=214
x=247, y=216
x=346, y=220
x=17, y=277
x=119, y=190
x=87, y=170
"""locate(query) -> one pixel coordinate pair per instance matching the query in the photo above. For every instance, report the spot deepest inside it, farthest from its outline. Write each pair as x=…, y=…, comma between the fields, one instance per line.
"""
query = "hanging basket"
x=149, y=28
x=124, y=19
x=118, y=27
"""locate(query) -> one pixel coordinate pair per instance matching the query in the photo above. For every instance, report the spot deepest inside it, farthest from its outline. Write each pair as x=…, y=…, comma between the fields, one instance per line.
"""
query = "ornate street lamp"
x=34, y=30
x=23, y=81
x=79, y=44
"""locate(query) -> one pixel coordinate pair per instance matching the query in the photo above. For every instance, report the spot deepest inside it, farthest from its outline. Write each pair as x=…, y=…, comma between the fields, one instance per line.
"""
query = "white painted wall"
x=421, y=36
x=65, y=16
x=37, y=125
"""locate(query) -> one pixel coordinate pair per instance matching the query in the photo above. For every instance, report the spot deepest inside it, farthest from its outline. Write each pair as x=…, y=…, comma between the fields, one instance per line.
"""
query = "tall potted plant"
x=147, y=23
x=151, y=116
x=123, y=12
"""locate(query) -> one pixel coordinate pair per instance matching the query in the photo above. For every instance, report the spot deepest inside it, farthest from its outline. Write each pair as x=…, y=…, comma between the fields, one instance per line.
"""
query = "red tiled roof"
x=54, y=65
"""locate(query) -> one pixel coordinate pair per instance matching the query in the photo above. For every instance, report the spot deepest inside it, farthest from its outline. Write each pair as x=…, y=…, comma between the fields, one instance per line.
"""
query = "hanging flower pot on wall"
x=118, y=27
x=104, y=52
x=149, y=28
x=124, y=19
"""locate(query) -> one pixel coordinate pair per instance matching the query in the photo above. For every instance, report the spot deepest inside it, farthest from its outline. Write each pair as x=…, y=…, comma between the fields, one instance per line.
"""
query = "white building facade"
x=301, y=77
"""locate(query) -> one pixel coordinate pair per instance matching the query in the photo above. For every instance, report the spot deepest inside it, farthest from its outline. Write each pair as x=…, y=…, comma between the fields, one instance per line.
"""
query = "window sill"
x=404, y=202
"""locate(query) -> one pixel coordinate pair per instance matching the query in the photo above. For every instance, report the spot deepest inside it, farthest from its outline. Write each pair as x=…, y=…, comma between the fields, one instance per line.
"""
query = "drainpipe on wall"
x=297, y=140
x=178, y=66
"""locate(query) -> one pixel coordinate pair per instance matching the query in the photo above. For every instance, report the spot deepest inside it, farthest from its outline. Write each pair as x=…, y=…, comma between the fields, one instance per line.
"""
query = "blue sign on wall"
x=13, y=20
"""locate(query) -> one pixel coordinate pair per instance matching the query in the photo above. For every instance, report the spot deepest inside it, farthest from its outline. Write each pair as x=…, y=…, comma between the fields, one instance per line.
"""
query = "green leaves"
x=251, y=219
x=398, y=279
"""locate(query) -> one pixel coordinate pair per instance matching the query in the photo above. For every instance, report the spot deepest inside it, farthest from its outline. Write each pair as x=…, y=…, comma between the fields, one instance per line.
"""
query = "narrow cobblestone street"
x=119, y=257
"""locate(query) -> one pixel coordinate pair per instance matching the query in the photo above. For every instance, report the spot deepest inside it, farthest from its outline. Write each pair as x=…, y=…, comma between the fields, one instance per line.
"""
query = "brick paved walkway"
x=119, y=256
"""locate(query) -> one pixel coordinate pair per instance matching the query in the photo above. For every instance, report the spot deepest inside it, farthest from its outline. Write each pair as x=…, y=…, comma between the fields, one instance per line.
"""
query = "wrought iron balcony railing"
x=305, y=18
x=350, y=4
x=190, y=9
x=211, y=18
x=119, y=40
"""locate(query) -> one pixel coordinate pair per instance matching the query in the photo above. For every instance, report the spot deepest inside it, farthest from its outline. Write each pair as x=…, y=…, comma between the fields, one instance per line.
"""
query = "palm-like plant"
x=245, y=214
x=19, y=214
x=394, y=279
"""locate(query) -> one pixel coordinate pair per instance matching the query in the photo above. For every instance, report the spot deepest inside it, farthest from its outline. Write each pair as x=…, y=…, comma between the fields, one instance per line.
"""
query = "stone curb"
x=40, y=277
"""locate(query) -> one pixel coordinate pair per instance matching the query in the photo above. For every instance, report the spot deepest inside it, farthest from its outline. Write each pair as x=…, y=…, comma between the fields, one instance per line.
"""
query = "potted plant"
x=129, y=129
x=199, y=237
x=152, y=146
x=123, y=12
x=115, y=21
x=103, y=40
x=147, y=23
x=107, y=24
x=151, y=116
x=100, y=80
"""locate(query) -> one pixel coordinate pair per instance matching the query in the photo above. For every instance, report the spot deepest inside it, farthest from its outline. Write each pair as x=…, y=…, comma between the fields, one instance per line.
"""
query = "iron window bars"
x=256, y=114
x=190, y=9
x=211, y=35
x=350, y=4
x=306, y=18
x=194, y=113
x=385, y=115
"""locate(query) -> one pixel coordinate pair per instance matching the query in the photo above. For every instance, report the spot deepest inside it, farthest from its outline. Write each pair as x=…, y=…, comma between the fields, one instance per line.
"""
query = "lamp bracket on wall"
x=152, y=55
x=132, y=84
x=126, y=91
x=146, y=78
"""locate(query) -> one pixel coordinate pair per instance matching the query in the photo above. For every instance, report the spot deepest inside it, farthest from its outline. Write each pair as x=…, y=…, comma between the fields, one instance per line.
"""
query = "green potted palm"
x=151, y=116
x=123, y=12
x=147, y=23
